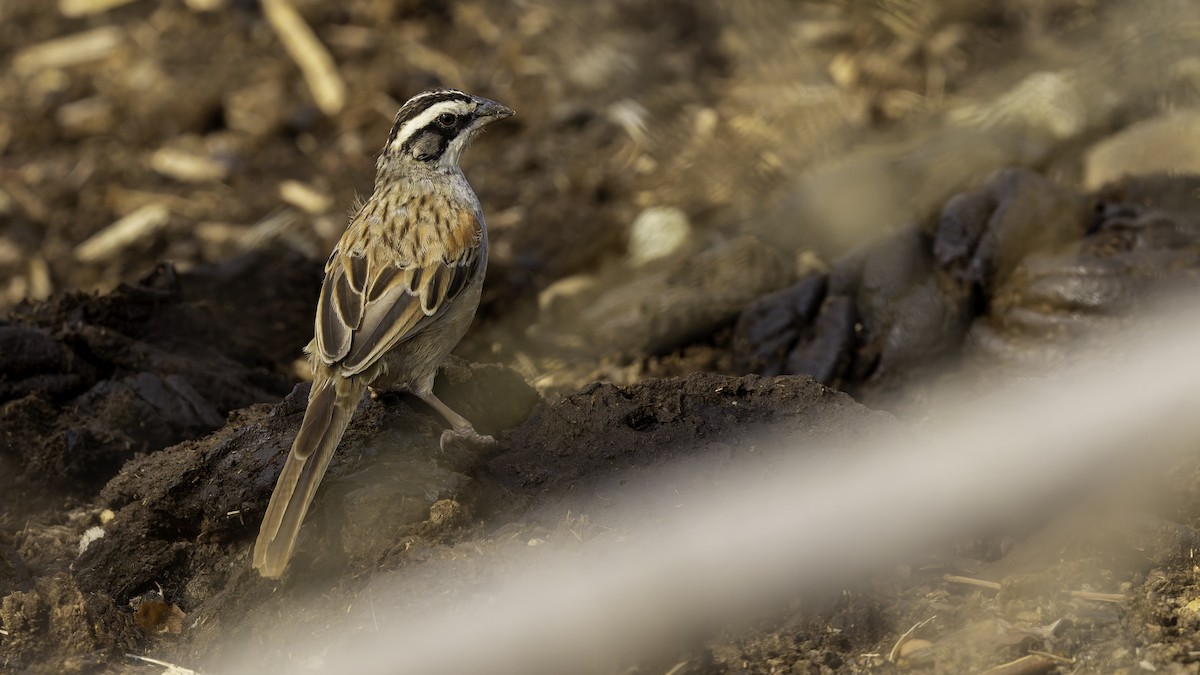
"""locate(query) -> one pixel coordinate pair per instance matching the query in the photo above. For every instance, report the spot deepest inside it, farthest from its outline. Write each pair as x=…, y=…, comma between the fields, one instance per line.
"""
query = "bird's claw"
x=464, y=439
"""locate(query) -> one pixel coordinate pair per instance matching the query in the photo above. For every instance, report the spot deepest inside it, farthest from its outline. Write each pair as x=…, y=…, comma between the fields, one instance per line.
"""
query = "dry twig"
x=170, y=668
x=77, y=8
x=316, y=64
x=90, y=45
x=139, y=224
x=970, y=581
x=1099, y=597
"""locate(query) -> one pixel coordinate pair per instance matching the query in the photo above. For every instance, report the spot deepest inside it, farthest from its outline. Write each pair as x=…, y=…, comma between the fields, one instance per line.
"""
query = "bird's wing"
x=362, y=313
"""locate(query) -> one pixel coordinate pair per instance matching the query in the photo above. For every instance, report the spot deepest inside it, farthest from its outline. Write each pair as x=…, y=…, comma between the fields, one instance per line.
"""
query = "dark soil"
x=149, y=392
x=91, y=382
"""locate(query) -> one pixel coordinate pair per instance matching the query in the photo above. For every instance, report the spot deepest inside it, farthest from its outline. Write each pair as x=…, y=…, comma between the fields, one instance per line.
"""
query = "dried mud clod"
x=89, y=382
x=1019, y=271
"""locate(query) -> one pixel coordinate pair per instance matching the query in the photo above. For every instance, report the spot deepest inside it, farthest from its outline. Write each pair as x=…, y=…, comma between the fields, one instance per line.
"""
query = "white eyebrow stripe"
x=421, y=121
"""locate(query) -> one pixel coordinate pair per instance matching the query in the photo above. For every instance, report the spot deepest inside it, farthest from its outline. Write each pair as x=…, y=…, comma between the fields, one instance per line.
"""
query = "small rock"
x=653, y=312
x=154, y=616
x=914, y=646
x=658, y=232
x=559, y=298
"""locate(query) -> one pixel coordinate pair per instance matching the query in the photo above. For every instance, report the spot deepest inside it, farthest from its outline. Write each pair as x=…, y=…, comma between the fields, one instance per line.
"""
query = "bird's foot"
x=465, y=438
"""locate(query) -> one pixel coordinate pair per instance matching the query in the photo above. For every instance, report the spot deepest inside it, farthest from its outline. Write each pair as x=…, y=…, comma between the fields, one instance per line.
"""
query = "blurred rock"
x=878, y=315
x=656, y=233
x=983, y=234
x=1013, y=270
x=899, y=307
x=1143, y=241
x=492, y=396
x=768, y=330
x=682, y=298
x=561, y=298
x=1167, y=143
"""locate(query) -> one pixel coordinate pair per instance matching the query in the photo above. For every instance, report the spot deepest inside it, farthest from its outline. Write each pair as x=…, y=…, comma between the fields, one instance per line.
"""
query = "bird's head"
x=434, y=127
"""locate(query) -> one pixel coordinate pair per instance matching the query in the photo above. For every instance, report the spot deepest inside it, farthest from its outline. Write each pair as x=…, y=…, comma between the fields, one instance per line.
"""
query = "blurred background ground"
x=672, y=166
x=135, y=132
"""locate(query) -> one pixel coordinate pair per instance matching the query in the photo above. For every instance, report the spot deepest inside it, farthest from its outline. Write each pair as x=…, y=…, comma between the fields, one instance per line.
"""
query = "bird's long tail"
x=331, y=404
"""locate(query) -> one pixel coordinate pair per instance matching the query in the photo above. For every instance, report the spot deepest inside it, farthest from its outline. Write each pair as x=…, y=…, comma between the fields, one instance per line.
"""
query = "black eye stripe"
x=420, y=103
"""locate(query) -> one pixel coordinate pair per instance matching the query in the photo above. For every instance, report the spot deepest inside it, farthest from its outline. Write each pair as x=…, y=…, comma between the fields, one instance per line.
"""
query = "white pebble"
x=658, y=232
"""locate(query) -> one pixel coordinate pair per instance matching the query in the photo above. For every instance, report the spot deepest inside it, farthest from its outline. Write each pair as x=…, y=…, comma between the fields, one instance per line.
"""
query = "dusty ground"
x=153, y=399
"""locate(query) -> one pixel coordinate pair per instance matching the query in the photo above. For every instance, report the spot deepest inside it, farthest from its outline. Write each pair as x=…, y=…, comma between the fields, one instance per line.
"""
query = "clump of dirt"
x=1020, y=271
x=90, y=382
x=604, y=428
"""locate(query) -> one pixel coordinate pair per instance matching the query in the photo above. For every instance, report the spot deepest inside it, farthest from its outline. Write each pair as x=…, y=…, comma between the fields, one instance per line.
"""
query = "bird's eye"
x=447, y=120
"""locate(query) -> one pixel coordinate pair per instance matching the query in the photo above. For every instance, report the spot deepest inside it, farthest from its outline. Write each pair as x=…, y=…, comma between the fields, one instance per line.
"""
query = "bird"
x=401, y=288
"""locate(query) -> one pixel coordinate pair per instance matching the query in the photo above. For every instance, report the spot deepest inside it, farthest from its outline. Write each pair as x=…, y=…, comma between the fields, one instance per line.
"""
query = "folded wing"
x=363, y=313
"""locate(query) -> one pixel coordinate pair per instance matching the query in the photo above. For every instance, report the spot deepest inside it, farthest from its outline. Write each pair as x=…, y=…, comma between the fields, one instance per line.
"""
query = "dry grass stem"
x=142, y=223
x=316, y=64
x=1099, y=597
x=78, y=8
x=969, y=581
x=85, y=47
x=187, y=167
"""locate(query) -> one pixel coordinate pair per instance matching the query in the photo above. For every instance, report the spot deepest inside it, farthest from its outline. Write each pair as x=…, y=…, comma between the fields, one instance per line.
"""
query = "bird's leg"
x=461, y=429
x=460, y=423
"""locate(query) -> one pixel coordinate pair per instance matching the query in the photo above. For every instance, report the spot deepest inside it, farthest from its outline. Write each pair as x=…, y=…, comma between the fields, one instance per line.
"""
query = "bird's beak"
x=490, y=111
